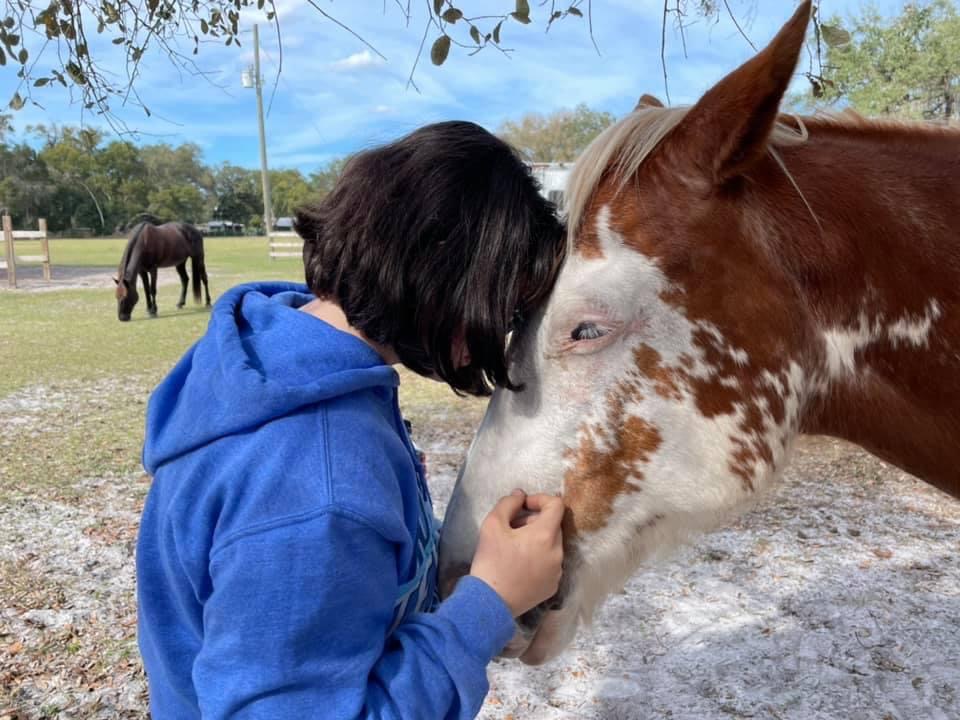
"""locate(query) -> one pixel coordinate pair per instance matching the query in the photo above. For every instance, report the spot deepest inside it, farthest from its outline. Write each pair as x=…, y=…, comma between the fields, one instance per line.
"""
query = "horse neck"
x=880, y=277
x=130, y=260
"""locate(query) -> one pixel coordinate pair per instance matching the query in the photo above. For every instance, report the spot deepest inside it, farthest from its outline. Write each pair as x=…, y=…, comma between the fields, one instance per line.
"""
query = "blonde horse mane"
x=623, y=147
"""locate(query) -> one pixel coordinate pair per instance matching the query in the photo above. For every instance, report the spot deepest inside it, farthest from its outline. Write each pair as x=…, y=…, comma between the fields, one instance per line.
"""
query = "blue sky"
x=335, y=96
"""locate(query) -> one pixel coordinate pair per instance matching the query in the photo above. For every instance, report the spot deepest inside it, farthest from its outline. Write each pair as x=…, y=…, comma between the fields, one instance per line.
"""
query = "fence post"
x=11, y=255
x=45, y=249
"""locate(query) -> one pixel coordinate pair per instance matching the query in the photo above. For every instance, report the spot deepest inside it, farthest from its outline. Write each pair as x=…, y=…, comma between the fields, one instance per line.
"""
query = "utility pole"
x=264, y=173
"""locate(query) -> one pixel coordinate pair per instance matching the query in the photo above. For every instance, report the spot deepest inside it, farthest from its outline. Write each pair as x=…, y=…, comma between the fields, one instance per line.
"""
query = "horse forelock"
x=622, y=147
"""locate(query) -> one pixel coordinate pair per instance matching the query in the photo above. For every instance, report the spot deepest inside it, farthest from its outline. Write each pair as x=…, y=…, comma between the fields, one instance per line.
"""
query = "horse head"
x=664, y=379
x=127, y=297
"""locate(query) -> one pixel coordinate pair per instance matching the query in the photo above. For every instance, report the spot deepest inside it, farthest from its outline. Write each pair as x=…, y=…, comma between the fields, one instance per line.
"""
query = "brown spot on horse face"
x=587, y=243
x=121, y=290
x=665, y=379
x=605, y=463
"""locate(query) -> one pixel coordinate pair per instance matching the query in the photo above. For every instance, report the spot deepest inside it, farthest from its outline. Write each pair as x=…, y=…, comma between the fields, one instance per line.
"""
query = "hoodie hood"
x=260, y=359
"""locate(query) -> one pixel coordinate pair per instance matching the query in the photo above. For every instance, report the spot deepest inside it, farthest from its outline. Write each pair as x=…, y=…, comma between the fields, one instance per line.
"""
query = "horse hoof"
x=153, y=313
x=179, y=306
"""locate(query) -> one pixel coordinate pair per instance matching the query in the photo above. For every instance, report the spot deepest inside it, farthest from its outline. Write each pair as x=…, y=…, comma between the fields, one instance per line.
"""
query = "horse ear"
x=728, y=129
x=648, y=101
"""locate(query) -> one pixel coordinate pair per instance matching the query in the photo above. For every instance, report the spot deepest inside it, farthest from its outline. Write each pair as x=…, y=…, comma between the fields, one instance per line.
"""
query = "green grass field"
x=69, y=344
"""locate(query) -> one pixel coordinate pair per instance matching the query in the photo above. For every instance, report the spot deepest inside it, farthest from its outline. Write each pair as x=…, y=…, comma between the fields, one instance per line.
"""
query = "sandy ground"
x=71, y=277
x=838, y=598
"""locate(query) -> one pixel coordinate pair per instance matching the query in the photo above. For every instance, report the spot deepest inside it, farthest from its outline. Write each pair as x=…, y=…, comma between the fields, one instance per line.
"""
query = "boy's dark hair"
x=441, y=232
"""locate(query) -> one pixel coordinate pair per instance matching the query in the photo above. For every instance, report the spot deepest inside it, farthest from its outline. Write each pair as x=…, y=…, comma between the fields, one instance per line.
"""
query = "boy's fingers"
x=550, y=507
x=508, y=506
x=522, y=519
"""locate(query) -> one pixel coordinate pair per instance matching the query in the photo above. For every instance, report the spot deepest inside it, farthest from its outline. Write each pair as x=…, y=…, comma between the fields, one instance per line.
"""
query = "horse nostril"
x=450, y=578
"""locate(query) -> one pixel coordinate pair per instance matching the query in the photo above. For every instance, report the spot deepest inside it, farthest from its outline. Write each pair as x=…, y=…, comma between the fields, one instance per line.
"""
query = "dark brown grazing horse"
x=734, y=278
x=156, y=246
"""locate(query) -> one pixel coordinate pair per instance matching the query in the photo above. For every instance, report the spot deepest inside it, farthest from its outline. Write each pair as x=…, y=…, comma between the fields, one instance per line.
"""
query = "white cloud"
x=363, y=60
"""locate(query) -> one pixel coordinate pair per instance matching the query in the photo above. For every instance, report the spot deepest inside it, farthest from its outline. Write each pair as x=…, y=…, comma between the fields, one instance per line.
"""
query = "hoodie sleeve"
x=296, y=626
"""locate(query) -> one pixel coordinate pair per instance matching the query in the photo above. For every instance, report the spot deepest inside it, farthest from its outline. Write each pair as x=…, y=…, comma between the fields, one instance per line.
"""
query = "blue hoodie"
x=286, y=564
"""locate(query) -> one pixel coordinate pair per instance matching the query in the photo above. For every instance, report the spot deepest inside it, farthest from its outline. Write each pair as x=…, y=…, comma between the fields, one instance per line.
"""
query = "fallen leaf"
x=13, y=649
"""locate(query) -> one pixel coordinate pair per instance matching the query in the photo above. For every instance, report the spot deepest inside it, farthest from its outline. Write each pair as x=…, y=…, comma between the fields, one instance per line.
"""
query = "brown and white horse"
x=734, y=278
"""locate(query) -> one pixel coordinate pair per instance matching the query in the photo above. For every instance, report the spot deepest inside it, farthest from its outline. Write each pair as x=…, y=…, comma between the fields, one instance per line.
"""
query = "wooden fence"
x=11, y=258
x=284, y=244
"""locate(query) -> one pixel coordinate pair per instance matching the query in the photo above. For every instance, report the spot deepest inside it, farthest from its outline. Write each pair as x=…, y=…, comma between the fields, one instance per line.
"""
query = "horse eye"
x=587, y=331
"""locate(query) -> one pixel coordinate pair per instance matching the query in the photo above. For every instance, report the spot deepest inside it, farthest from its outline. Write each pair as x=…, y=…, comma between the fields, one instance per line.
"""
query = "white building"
x=553, y=180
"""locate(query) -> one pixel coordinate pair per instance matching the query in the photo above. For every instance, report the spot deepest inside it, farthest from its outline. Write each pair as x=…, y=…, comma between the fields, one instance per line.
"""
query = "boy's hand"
x=520, y=550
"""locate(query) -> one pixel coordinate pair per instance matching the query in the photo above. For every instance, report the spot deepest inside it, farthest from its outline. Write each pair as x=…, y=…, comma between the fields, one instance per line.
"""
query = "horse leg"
x=206, y=288
x=145, y=279
x=182, y=272
x=153, y=289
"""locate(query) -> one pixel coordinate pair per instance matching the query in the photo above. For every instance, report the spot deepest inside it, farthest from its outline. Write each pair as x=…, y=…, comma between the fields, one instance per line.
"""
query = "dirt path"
x=70, y=277
x=838, y=598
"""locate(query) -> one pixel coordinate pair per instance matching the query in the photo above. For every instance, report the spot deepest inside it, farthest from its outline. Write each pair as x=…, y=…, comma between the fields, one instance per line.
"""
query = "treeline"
x=78, y=181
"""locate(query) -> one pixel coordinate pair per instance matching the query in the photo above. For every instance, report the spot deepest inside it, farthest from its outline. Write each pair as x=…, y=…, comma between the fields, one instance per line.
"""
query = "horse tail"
x=197, y=266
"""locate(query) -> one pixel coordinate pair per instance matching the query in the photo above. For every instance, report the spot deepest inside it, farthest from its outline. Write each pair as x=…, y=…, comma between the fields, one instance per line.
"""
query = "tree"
x=288, y=191
x=48, y=41
x=237, y=194
x=70, y=158
x=908, y=65
x=25, y=186
x=182, y=202
x=322, y=181
x=559, y=137
x=124, y=182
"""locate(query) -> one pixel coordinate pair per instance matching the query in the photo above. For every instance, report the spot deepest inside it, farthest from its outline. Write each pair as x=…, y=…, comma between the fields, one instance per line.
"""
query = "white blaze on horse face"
x=639, y=464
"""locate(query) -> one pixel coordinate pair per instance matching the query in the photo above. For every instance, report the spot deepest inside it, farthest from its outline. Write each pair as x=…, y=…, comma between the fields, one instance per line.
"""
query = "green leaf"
x=440, y=50
x=118, y=41
x=23, y=56
x=9, y=22
x=522, y=19
x=437, y=6
x=834, y=36
x=496, y=33
x=3, y=58
x=204, y=27
x=41, y=82
x=523, y=7
x=17, y=102
x=574, y=11
x=75, y=73
x=452, y=15
x=475, y=34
